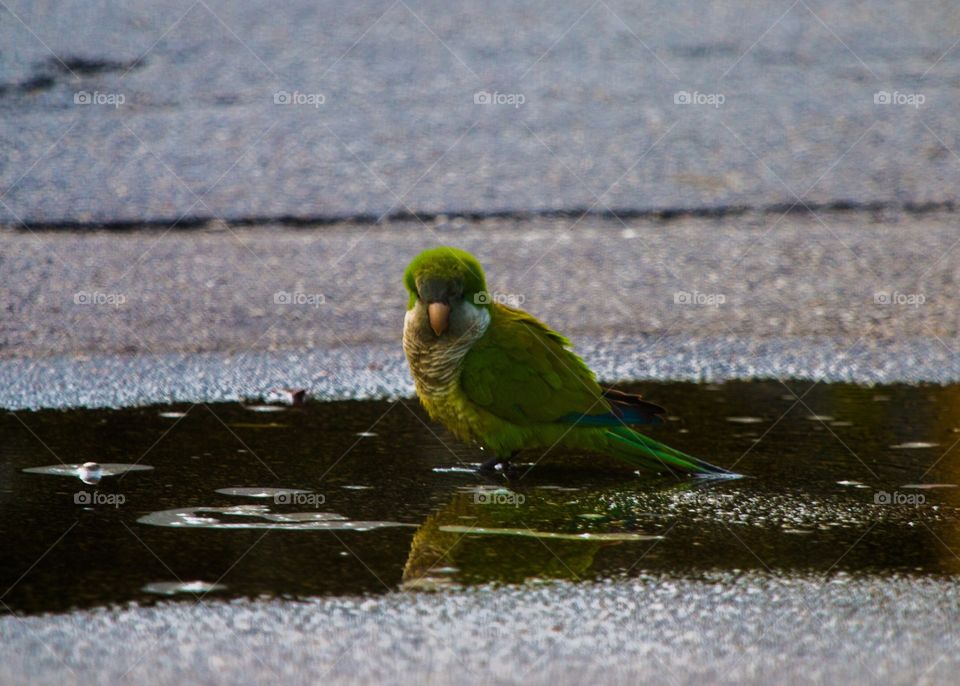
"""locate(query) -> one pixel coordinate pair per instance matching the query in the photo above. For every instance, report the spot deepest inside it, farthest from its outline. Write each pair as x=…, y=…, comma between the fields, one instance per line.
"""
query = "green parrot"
x=498, y=377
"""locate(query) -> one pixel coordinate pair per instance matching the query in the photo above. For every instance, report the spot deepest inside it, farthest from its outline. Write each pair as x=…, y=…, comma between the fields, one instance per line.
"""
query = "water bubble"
x=90, y=473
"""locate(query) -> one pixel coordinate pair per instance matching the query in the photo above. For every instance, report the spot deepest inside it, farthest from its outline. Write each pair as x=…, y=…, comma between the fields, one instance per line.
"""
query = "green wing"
x=523, y=372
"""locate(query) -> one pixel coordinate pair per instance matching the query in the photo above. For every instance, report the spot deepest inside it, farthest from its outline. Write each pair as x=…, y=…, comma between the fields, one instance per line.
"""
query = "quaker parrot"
x=499, y=378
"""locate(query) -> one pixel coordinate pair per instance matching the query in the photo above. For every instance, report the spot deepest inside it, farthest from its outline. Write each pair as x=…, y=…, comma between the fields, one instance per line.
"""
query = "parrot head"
x=447, y=292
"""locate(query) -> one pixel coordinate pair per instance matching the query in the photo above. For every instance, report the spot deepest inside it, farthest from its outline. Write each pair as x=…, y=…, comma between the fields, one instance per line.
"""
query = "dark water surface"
x=373, y=497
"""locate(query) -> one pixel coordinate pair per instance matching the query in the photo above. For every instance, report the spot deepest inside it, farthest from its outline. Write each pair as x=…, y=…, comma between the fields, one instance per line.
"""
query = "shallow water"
x=366, y=497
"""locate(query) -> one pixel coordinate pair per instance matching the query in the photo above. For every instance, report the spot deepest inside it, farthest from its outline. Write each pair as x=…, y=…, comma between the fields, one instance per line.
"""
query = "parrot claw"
x=499, y=466
x=494, y=464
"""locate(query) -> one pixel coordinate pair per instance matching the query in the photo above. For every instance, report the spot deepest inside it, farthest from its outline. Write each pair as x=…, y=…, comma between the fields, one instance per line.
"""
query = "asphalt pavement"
x=120, y=318
x=179, y=111
x=722, y=629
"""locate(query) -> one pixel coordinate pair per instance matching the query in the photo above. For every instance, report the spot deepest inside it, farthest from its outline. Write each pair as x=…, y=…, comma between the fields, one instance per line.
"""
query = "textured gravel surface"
x=106, y=318
x=380, y=371
x=198, y=134
x=757, y=277
x=755, y=629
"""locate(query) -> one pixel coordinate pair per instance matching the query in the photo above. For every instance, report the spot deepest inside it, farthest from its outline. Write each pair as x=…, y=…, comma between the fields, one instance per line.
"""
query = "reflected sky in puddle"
x=257, y=517
x=361, y=497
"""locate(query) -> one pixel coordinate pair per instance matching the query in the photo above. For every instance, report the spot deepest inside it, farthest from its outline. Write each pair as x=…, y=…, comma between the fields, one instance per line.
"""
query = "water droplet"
x=929, y=486
x=914, y=445
x=745, y=420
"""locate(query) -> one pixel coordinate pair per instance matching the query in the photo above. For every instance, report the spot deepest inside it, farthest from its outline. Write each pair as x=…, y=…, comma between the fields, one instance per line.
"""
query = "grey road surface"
x=756, y=629
x=185, y=110
x=108, y=318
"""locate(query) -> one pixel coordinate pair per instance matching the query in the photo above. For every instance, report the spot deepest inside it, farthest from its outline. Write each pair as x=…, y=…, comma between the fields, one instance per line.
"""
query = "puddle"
x=356, y=498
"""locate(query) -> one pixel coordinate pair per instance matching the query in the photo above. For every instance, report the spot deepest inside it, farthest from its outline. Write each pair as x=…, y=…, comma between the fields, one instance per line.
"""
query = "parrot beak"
x=439, y=314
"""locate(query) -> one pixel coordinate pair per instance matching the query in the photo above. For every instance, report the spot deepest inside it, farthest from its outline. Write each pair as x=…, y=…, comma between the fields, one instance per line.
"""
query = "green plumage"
x=518, y=385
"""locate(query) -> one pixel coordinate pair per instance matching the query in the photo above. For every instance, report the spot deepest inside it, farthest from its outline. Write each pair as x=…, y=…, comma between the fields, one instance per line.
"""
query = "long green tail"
x=645, y=453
